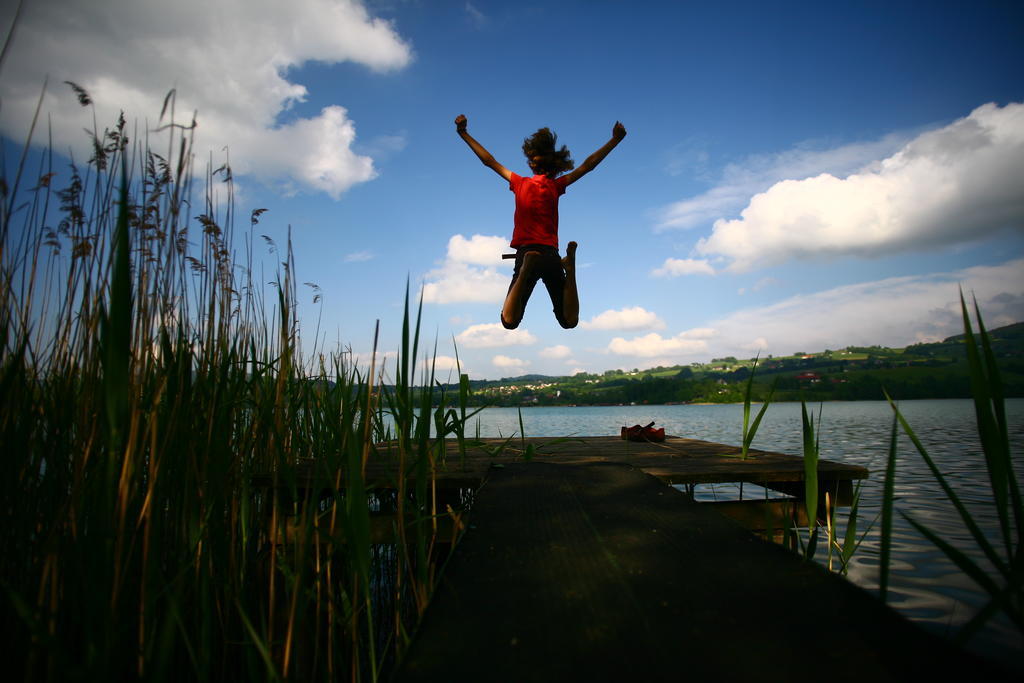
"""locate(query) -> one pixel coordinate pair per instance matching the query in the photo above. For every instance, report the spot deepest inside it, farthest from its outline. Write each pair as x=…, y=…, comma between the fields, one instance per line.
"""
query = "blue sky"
x=796, y=176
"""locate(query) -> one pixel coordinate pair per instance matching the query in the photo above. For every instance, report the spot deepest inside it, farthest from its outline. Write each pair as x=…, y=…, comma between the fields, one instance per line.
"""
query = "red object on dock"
x=645, y=433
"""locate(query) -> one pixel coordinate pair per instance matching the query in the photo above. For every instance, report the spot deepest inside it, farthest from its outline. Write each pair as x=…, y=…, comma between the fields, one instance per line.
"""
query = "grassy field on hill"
x=933, y=370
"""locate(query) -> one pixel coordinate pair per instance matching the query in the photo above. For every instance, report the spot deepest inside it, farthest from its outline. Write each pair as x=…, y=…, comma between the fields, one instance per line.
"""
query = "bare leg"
x=512, y=311
x=570, y=297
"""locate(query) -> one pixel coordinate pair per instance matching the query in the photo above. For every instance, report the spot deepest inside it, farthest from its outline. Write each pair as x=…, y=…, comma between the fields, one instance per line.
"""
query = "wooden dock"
x=581, y=564
x=674, y=461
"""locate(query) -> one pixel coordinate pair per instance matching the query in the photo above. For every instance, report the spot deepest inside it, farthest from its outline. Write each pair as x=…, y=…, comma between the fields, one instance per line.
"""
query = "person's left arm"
x=591, y=162
x=481, y=152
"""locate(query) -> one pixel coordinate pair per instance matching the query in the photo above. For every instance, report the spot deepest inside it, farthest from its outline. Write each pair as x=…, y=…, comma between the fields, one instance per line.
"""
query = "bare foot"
x=569, y=262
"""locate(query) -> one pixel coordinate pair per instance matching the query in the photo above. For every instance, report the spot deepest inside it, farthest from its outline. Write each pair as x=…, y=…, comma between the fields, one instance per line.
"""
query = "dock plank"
x=674, y=461
x=598, y=571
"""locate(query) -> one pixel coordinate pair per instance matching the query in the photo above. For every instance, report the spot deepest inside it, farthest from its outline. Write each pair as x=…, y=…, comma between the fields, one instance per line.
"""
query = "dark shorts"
x=547, y=267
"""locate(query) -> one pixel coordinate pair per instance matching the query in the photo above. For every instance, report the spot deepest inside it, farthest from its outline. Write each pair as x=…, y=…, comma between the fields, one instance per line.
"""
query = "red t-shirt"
x=536, y=220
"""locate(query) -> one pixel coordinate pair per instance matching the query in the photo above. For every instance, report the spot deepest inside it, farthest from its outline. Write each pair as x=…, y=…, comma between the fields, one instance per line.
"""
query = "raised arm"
x=478, y=149
x=591, y=162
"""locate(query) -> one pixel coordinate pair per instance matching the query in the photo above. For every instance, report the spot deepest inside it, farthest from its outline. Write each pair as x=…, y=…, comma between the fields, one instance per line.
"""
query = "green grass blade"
x=888, y=494
x=1007, y=600
x=522, y=428
x=117, y=328
x=997, y=439
x=416, y=338
x=987, y=391
x=464, y=395
x=973, y=570
x=261, y=645
x=750, y=429
x=993, y=378
x=860, y=540
x=810, y=473
x=966, y=564
x=812, y=542
x=749, y=438
x=746, y=409
x=965, y=515
x=850, y=544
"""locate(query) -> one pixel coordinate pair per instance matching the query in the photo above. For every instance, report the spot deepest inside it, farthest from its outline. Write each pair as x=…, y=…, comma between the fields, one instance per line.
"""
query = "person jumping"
x=535, y=232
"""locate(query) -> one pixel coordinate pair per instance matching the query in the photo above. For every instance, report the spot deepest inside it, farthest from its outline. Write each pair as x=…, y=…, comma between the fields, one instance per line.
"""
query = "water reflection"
x=925, y=586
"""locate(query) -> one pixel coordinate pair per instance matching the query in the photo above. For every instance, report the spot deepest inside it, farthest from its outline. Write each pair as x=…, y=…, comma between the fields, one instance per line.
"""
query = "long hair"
x=553, y=162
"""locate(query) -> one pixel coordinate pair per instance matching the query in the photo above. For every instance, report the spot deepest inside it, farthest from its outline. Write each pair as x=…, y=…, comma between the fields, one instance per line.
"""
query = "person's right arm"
x=591, y=162
x=478, y=149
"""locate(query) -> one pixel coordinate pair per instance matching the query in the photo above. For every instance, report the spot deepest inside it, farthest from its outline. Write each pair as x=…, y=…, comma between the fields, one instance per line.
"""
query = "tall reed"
x=1001, y=574
x=185, y=495
x=750, y=429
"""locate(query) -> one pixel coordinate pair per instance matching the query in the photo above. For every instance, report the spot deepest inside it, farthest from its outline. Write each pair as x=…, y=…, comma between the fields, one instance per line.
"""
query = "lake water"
x=924, y=585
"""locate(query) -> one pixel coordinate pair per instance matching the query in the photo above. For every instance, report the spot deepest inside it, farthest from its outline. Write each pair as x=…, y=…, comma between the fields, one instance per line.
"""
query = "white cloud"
x=654, y=345
x=315, y=152
x=674, y=267
x=228, y=61
x=358, y=256
x=742, y=180
x=362, y=359
x=442, y=364
x=458, y=283
x=489, y=335
x=891, y=312
x=953, y=185
x=759, y=344
x=634, y=318
x=469, y=272
x=480, y=250
x=698, y=333
x=557, y=351
x=508, y=363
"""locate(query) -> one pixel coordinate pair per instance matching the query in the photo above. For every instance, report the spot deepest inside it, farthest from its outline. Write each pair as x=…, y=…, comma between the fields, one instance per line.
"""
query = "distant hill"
x=528, y=378
x=1004, y=340
x=1007, y=334
x=931, y=370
